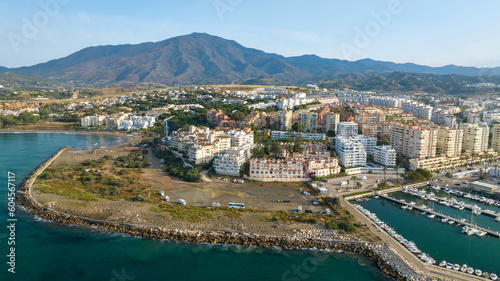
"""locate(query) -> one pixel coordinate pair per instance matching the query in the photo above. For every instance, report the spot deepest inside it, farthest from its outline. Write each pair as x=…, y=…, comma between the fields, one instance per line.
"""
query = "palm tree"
x=354, y=178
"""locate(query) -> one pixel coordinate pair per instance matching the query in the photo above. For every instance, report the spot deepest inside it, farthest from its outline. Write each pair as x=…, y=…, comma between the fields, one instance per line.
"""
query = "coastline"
x=382, y=255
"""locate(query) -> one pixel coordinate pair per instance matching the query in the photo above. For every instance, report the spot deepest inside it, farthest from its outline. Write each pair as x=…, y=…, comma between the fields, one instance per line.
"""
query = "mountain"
x=201, y=58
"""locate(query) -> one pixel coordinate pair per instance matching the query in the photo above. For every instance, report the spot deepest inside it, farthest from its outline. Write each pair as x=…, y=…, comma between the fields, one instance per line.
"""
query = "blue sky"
x=426, y=32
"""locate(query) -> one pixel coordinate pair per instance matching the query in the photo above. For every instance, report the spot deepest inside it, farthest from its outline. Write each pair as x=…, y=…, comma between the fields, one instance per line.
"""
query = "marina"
x=444, y=218
x=440, y=241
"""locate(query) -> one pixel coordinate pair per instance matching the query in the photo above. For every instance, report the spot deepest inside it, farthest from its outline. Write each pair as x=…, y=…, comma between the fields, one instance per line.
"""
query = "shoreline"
x=382, y=255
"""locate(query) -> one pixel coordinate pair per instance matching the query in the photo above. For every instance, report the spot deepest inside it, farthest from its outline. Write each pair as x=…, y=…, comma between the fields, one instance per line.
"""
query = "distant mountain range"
x=201, y=58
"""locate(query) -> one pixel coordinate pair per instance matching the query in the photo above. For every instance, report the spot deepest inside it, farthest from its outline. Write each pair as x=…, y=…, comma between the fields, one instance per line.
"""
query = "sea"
x=50, y=251
x=441, y=240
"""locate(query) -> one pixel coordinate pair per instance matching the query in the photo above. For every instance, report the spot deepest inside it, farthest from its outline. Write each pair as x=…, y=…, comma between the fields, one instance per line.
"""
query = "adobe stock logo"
x=31, y=25
x=363, y=37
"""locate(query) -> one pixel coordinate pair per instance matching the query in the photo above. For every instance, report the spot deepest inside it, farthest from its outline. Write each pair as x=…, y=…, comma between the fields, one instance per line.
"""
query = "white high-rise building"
x=385, y=155
x=347, y=129
x=350, y=153
x=475, y=137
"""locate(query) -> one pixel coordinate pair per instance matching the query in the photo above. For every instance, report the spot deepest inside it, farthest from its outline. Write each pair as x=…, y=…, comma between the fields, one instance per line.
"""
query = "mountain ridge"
x=200, y=58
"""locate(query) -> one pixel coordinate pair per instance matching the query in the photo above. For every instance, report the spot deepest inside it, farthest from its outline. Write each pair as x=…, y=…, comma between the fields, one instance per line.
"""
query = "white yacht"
x=463, y=268
x=493, y=276
x=404, y=207
x=456, y=267
x=444, y=219
x=470, y=270
x=478, y=272
x=431, y=216
x=442, y=264
x=497, y=219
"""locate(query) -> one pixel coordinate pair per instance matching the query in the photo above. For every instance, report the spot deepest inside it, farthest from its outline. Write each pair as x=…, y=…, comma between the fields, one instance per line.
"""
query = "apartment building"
x=276, y=135
x=93, y=121
x=309, y=120
x=385, y=155
x=495, y=137
x=368, y=142
x=228, y=162
x=414, y=141
x=349, y=152
x=475, y=137
x=322, y=167
x=449, y=141
x=347, y=129
x=330, y=121
x=284, y=119
x=277, y=169
x=369, y=118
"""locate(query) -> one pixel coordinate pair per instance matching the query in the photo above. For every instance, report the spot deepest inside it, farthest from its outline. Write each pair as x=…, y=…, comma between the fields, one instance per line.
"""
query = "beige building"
x=414, y=141
x=444, y=163
x=330, y=121
x=284, y=119
x=449, y=141
x=475, y=137
x=277, y=170
x=495, y=137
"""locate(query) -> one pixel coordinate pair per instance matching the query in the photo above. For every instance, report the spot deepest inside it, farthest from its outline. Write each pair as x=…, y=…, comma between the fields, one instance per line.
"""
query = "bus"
x=236, y=206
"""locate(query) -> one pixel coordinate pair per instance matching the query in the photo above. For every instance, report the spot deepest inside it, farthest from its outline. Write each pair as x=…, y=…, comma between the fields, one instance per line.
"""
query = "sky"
x=433, y=33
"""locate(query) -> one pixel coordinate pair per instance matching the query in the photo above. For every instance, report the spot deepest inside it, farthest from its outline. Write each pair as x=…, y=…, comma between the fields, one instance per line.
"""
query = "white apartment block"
x=228, y=162
x=277, y=170
x=417, y=108
x=491, y=118
x=444, y=118
x=201, y=144
x=414, y=141
x=368, y=142
x=385, y=101
x=239, y=138
x=475, y=137
x=473, y=118
x=449, y=141
x=347, y=129
x=93, y=121
x=350, y=153
x=385, y=155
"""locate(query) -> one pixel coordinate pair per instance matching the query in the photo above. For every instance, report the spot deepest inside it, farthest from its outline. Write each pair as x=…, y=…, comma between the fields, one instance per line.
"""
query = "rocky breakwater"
x=386, y=259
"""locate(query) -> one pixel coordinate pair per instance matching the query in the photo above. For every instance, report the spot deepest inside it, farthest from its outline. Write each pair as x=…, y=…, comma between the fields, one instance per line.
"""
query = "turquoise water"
x=441, y=240
x=50, y=251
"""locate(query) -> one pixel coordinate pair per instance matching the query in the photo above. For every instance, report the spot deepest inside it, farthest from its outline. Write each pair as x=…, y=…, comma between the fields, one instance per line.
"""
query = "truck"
x=240, y=181
x=322, y=190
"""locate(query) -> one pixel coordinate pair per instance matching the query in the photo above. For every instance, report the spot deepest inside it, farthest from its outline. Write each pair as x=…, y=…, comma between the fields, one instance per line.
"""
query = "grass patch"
x=357, y=193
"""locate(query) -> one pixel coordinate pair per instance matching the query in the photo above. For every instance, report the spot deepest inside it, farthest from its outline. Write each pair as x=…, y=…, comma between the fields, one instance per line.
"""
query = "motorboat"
x=442, y=264
x=410, y=208
x=470, y=270
x=493, y=276
x=463, y=268
x=456, y=267
x=478, y=272
x=404, y=207
x=444, y=219
x=449, y=265
x=497, y=220
x=431, y=216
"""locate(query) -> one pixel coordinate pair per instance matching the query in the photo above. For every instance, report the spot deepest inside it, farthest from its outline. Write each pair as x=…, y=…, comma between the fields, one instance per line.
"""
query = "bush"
x=138, y=198
x=314, y=221
x=331, y=224
x=124, y=172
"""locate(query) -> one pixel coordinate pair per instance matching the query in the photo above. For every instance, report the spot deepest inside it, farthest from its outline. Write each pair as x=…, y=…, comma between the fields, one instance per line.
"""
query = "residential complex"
x=202, y=144
x=215, y=116
x=449, y=141
x=351, y=153
x=276, y=135
x=330, y=121
x=414, y=141
x=495, y=137
x=347, y=129
x=475, y=137
x=385, y=155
